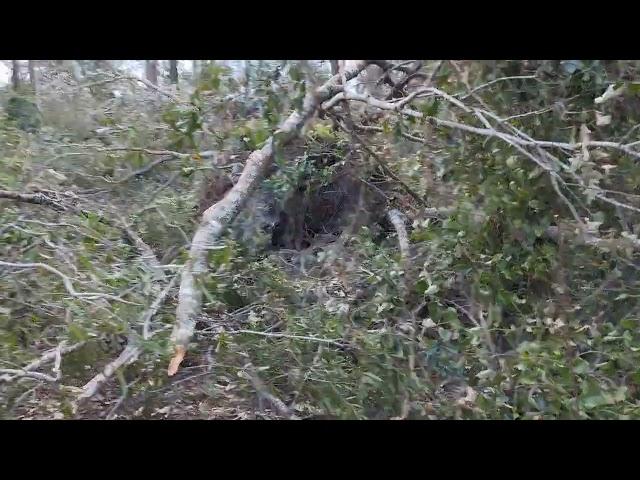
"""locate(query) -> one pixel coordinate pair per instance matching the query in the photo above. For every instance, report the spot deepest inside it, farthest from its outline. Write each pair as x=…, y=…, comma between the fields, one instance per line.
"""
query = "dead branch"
x=51, y=355
x=501, y=79
x=13, y=373
x=34, y=198
x=41, y=198
x=167, y=154
x=155, y=306
x=216, y=218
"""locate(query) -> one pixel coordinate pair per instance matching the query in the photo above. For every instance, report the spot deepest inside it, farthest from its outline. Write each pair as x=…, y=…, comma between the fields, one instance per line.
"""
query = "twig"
x=129, y=355
x=52, y=354
x=501, y=79
x=335, y=343
x=133, y=78
x=487, y=132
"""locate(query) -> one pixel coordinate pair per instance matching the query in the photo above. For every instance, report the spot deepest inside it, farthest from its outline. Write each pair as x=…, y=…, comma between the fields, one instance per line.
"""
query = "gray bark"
x=151, y=71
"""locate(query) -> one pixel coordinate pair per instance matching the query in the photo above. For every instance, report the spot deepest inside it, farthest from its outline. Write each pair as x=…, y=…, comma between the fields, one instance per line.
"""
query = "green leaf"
x=77, y=333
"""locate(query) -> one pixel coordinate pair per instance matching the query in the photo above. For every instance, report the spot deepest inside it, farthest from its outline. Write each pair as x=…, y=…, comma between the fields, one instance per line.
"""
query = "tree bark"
x=32, y=76
x=15, y=74
x=173, y=71
x=196, y=72
x=152, y=71
x=217, y=217
x=74, y=67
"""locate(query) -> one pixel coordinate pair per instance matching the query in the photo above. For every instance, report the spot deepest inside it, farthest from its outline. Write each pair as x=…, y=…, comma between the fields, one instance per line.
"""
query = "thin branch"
x=134, y=78
x=34, y=198
x=51, y=355
x=335, y=343
x=131, y=352
x=67, y=282
x=492, y=82
x=129, y=355
x=487, y=132
x=155, y=306
x=10, y=374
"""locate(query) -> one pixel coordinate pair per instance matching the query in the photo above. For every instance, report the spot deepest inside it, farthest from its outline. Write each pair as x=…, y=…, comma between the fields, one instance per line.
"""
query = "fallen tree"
x=217, y=217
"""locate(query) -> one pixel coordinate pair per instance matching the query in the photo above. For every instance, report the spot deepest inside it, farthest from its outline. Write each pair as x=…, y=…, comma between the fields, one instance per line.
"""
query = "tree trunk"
x=73, y=66
x=32, y=76
x=173, y=71
x=103, y=65
x=15, y=74
x=152, y=71
x=196, y=72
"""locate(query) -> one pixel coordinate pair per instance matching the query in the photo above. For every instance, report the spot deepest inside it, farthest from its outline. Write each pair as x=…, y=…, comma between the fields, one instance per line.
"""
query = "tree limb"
x=216, y=218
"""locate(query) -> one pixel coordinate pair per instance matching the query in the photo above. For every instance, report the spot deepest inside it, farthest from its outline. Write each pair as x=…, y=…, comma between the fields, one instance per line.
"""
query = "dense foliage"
x=517, y=299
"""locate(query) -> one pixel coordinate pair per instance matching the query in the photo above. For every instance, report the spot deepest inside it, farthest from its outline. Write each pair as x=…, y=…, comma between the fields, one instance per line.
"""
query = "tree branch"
x=67, y=282
x=216, y=218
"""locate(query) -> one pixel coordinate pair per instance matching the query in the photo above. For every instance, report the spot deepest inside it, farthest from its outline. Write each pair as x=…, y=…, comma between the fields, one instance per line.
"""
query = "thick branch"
x=216, y=218
x=35, y=198
x=397, y=220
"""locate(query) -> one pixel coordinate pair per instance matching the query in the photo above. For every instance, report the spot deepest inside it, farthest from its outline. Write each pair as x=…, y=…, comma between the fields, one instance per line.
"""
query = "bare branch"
x=51, y=355
x=501, y=79
x=129, y=355
x=35, y=198
x=12, y=373
x=335, y=343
